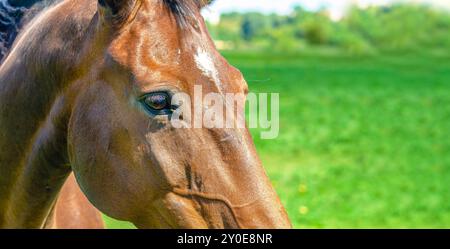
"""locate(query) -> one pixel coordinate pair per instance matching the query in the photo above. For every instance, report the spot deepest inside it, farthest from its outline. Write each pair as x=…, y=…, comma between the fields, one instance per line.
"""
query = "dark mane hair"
x=13, y=15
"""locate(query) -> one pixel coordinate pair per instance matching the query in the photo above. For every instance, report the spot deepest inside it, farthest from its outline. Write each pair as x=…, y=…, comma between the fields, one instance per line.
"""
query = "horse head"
x=129, y=159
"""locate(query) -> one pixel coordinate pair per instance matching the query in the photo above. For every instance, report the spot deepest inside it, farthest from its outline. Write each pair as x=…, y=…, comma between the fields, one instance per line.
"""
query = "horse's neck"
x=34, y=112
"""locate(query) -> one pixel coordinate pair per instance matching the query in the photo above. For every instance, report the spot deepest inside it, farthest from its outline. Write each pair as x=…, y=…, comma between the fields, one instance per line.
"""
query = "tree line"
x=400, y=27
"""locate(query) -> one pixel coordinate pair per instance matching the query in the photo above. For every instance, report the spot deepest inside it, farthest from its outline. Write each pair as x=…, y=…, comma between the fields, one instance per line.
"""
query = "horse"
x=85, y=93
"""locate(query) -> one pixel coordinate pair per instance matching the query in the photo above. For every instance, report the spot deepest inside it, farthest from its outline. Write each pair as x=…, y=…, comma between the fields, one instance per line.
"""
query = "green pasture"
x=364, y=141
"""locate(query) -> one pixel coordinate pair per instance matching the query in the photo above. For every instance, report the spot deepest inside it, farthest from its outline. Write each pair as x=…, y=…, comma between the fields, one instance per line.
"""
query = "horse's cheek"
x=89, y=158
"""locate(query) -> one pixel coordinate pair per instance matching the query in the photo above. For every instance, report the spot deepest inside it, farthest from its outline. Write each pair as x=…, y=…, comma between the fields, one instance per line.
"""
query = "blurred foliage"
x=363, y=140
x=400, y=27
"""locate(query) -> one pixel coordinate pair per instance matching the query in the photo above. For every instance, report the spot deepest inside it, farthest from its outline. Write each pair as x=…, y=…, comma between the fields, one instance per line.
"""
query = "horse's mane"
x=14, y=14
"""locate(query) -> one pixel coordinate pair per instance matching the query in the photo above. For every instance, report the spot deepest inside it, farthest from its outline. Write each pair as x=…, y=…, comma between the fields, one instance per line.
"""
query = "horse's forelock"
x=184, y=9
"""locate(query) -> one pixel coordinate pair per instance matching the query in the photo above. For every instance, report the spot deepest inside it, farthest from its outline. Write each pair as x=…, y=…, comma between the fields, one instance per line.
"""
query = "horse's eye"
x=157, y=103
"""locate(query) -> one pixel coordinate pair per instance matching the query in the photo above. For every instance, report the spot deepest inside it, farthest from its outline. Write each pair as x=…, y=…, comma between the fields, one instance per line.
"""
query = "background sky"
x=337, y=7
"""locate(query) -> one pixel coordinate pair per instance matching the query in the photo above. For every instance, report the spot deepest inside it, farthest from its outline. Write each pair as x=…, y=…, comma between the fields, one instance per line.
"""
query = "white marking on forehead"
x=206, y=64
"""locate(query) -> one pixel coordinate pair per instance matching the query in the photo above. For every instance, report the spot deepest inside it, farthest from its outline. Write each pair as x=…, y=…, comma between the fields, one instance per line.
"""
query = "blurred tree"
x=400, y=27
x=247, y=29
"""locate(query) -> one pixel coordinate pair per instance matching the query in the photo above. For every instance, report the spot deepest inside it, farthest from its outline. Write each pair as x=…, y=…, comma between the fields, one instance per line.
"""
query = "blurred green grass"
x=364, y=141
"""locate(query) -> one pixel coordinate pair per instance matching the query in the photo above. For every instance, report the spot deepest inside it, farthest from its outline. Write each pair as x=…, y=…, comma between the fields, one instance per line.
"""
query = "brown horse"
x=75, y=93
